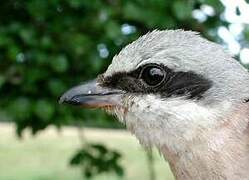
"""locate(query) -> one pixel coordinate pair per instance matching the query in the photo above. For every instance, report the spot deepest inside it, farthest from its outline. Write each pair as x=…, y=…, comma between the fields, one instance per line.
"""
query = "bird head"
x=167, y=87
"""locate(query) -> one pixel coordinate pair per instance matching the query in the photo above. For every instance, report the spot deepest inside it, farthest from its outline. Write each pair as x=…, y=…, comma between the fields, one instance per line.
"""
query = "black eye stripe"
x=179, y=83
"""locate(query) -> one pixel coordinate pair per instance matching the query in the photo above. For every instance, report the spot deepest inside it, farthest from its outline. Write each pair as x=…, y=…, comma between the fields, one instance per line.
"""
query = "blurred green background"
x=48, y=46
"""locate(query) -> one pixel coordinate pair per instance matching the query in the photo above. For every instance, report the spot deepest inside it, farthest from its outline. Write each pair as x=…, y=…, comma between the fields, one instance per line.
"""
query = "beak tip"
x=61, y=100
x=64, y=98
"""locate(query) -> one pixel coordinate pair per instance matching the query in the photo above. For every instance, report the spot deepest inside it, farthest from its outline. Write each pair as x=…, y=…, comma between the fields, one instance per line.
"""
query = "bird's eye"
x=152, y=75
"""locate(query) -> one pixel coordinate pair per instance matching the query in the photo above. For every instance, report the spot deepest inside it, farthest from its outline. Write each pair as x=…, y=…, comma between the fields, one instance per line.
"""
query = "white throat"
x=199, y=142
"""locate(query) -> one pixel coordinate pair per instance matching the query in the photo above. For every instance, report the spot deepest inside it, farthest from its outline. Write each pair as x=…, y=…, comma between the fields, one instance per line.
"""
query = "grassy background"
x=45, y=156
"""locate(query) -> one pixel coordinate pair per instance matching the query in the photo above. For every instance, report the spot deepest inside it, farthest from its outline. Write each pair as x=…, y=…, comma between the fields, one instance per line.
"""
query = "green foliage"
x=48, y=46
x=96, y=159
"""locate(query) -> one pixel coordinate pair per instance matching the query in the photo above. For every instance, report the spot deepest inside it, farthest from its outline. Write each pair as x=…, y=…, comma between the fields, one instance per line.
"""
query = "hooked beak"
x=92, y=95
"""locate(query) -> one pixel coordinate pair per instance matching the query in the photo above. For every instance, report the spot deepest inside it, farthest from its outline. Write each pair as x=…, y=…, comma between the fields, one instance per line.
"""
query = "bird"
x=183, y=94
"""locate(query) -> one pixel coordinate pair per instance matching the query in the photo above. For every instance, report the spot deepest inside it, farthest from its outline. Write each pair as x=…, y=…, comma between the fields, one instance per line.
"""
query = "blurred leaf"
x=20, y=108
x=182, y=9
x=96, y=159
x=44, y=110
x=13, y=52
x=38, y=9
x=246, y=31
x=133, y=11
x=77, y=158
x=59, y=63
x=2, y=80
x=56, y=87
x=113, y=30
x=27, y=35
x=46, y=42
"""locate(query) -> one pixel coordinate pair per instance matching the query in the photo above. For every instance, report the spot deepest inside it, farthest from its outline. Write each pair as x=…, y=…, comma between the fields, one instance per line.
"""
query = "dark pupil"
x=152, y=75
